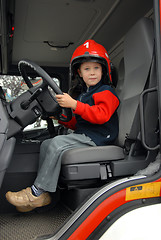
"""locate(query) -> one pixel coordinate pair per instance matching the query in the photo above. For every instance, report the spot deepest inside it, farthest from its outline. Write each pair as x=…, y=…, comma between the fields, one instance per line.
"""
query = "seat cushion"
x=92, y=155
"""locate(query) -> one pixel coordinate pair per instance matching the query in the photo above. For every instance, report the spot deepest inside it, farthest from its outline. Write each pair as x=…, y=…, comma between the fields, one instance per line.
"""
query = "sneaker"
x=25, y=201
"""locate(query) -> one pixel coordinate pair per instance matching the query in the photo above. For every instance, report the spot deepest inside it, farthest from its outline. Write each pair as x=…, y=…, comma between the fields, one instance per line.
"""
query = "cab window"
x=14, y=86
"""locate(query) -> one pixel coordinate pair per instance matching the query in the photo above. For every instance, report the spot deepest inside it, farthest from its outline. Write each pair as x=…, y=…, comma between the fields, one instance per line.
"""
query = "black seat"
x=104, y=162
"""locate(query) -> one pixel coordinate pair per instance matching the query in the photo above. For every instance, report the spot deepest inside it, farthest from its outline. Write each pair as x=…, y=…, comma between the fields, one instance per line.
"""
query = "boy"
x=95, y=122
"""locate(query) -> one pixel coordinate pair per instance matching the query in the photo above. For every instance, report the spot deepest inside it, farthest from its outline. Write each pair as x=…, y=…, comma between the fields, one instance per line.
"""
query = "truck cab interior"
x=37, y=38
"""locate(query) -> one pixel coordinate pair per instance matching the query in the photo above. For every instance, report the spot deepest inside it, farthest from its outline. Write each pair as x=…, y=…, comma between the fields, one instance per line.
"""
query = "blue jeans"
x=51, y=151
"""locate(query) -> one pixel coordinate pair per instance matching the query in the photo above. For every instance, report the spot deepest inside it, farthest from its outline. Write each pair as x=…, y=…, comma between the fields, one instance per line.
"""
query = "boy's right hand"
x=65, y=100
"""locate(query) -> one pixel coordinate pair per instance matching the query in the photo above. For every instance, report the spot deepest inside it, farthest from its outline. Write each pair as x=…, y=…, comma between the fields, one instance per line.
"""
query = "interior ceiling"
x=62, y=23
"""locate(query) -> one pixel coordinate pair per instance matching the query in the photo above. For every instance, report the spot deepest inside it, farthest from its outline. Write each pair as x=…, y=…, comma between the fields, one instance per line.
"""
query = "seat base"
x=90, y=162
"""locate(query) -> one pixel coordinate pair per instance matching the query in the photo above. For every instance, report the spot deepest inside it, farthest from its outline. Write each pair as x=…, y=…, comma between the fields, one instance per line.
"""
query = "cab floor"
x=29, y=226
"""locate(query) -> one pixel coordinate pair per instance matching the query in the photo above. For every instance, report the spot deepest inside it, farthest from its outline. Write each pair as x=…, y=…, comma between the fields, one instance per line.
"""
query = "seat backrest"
x=121, y=76
x=138, y=54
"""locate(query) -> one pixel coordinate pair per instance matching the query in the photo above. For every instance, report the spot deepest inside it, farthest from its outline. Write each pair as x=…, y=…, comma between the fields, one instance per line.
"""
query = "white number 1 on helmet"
x=86, y=44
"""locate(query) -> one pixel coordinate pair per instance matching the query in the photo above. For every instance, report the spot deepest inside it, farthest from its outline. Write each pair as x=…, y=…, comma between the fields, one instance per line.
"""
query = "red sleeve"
x=71, y=124
x=105, y=105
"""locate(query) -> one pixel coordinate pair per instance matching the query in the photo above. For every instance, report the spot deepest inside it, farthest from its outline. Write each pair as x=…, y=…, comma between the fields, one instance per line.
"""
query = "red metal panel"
x=108, y=206
x=98, y=215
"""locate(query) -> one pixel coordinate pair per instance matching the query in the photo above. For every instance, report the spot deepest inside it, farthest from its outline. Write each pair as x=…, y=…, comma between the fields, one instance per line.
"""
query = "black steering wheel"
x=65, y=114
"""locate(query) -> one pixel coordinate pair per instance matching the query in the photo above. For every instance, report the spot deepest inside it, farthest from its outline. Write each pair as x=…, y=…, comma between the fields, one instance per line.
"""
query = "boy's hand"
x=65, y=100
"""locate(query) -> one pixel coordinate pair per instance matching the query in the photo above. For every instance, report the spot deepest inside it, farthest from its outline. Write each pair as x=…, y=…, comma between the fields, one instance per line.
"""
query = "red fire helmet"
x=95, y=52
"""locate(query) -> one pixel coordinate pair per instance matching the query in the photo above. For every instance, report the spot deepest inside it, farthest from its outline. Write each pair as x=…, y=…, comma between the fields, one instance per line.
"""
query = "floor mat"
x=28, y=226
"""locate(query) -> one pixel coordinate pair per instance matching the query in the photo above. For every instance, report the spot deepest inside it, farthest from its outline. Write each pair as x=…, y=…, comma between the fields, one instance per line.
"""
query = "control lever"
x=26, y=104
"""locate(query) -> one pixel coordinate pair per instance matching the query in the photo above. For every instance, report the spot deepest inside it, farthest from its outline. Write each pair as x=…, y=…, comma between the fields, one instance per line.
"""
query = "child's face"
x=91, y=72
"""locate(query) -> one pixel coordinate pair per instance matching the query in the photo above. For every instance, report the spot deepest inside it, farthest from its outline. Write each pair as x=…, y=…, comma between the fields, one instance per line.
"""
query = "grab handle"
x=142, y=123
